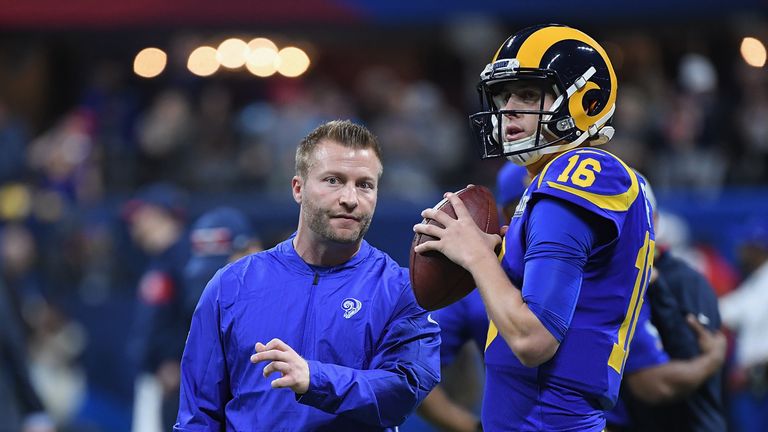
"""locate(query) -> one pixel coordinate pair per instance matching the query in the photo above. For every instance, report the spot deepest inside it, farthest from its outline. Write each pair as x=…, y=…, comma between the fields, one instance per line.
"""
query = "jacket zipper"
x=306, y=344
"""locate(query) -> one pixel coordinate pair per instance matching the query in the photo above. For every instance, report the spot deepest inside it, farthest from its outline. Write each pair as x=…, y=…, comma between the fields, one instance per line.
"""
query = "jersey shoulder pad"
x=591, y=178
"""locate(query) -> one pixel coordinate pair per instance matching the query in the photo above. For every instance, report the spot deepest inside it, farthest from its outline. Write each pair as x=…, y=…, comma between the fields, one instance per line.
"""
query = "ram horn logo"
x=351, y=306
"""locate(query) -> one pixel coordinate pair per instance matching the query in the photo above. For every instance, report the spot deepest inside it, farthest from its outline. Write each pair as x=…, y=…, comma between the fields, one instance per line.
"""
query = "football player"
x=564, y=293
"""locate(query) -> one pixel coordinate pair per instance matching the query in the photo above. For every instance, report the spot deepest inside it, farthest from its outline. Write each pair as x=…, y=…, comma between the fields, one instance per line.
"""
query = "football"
x=436, y=280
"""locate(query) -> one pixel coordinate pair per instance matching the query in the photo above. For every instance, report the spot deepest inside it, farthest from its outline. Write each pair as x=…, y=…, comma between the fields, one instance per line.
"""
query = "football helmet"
x=556, y=59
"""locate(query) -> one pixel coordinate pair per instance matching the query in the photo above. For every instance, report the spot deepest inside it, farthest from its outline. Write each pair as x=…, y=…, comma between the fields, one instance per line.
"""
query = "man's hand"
x=461, y=240
x=711, y=344
x=169, y=376
x=293, y=368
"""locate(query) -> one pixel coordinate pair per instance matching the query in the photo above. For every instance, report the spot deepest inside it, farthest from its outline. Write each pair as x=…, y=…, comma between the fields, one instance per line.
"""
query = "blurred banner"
x=76, y=14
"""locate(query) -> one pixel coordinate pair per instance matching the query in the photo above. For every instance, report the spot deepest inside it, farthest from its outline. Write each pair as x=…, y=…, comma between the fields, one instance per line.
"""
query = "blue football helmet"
x=564, y=62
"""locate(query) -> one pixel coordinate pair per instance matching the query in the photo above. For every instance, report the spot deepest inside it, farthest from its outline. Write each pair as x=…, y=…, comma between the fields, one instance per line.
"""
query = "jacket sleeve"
x=677, y=337
x=204, y=383
x=403, y=370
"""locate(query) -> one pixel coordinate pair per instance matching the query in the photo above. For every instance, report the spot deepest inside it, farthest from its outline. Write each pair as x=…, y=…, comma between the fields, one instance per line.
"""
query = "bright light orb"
x=293, y=62
x=150, y=62
x=753, y=52
x=202, y=61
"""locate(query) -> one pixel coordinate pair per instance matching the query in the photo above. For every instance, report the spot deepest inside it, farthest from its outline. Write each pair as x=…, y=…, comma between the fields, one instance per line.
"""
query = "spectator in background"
x=335, y=317
x=20, y=406
x=156, y=218
x=164, y=132
x=748, y=146
x=213, y=151
x=218, y=236
x=426, y=137
x=13, y=141
x=19, y=270
x=692, y=157
x=745, y=311
x=66, y=160
x=54, y=342
x=466, y=323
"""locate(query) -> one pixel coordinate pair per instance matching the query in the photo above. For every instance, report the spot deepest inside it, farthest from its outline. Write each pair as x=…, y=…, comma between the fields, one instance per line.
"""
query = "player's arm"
x=560, y=239
x=530, y=341
x=468, y=246
x=204, y=384
x=444, y=413
x=403, y=370
x=678, y=378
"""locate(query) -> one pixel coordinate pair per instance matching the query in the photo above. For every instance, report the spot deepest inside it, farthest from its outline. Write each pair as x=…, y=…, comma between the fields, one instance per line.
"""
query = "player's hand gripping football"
x=293, y=368
x=462, y=241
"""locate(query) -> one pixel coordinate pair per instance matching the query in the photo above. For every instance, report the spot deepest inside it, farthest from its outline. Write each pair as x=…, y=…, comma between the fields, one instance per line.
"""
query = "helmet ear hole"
x=592, y=107
x=591, y=102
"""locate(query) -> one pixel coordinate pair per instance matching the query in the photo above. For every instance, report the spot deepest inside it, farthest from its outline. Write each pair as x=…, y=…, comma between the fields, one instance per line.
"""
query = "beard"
x=319, y=221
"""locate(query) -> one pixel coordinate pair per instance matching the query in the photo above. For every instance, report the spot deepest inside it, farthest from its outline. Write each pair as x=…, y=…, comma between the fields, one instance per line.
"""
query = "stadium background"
x=80, y=132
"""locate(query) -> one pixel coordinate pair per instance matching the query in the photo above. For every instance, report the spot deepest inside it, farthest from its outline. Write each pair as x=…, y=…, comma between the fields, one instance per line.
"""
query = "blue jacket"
x=373, y=353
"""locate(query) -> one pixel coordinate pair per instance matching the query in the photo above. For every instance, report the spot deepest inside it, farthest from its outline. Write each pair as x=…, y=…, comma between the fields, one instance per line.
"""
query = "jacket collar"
x=287, y=250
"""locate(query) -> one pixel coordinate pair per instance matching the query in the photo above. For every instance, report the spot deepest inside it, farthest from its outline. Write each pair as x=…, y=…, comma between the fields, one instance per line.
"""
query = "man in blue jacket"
x=321, y=332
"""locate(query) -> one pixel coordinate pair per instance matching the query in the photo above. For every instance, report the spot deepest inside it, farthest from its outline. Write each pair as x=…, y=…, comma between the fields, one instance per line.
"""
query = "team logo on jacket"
x=351, y=306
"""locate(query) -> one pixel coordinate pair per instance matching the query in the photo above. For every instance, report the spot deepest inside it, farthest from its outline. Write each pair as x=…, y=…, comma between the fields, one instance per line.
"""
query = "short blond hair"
x=344, y=132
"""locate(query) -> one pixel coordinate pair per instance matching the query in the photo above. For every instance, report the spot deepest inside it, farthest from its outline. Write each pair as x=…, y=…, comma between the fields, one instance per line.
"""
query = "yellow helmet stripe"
x=533, y=49
x=581, y=119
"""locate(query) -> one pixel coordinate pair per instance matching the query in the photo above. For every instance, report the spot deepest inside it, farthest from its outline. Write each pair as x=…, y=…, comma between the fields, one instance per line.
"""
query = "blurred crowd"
x=73, y=163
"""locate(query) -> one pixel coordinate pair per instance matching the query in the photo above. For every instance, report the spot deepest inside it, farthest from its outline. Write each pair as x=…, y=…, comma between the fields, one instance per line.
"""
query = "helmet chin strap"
x=522, y=159
x=600, y=137
x=527, y=158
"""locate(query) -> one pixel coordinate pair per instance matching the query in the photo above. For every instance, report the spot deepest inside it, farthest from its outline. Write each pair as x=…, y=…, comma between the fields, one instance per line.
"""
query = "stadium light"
x=202, y=61
x=232, y=53
x=150, y=62
x=263, y=59
x=293, y=62
x=753, y=52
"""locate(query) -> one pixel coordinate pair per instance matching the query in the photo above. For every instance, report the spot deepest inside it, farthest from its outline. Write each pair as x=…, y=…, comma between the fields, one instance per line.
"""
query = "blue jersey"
x=373, y=353
x=460, y=322
x=646, y=350
x=572, y=390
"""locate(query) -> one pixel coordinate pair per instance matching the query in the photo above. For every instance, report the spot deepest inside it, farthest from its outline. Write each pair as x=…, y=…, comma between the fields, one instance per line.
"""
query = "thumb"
x=695, y=325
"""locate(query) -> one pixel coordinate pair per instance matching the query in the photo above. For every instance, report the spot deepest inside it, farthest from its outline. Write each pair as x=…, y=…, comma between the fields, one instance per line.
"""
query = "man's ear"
x=297, y=187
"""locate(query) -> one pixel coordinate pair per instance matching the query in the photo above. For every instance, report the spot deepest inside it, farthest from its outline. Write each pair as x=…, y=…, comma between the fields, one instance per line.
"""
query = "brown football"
x=436, y=280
